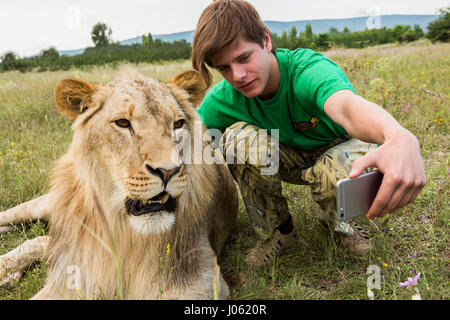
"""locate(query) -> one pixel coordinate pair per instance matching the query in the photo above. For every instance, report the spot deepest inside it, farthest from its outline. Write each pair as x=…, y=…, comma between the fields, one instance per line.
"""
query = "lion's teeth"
x=165, y=198
x=154, y=201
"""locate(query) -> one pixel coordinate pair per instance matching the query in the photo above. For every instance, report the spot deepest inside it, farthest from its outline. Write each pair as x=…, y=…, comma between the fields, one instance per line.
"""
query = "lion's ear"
x=73, y=97
x=193, y=83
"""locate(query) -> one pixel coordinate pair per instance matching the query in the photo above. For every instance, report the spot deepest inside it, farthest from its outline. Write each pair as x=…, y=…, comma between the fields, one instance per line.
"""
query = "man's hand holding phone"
x=355, y=196
x=399, y=160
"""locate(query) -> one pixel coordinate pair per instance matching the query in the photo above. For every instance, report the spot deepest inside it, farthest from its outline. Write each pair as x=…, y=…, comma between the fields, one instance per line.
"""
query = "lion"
x=127, y=218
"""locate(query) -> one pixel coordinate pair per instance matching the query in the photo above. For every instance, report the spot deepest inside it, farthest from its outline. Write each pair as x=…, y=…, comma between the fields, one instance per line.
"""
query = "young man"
x=322, y=125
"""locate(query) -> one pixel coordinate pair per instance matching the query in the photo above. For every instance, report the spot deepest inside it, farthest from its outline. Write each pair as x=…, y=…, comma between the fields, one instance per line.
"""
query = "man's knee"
x=245, y=143
x=237, y=132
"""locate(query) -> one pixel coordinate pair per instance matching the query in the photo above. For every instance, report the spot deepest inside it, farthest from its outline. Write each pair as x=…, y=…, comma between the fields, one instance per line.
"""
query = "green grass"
x=409, y=81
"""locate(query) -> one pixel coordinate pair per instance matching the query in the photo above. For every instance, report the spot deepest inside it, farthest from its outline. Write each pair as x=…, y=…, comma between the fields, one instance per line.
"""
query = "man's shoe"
x=265, y=251
x=358, y=243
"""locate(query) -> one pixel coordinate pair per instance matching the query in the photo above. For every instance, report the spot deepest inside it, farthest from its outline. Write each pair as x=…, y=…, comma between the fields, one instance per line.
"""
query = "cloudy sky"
x=29, y=26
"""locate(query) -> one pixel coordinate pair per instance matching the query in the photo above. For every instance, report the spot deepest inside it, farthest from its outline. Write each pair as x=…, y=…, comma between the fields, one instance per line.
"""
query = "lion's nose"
x=164, y=174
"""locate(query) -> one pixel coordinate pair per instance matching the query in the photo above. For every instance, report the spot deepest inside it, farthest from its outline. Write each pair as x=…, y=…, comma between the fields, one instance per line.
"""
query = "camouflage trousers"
x=321, y=168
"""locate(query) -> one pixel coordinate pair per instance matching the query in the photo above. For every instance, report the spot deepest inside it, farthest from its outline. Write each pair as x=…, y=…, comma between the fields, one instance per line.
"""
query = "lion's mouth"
x=160, y=202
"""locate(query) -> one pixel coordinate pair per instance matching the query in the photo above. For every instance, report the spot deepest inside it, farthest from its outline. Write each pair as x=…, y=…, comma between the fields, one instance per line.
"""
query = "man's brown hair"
x=222, y=23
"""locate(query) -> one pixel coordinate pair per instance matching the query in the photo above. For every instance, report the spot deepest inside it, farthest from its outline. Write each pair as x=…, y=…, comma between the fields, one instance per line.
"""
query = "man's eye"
x=222, y=69
x=123, y=123
x=178, y=124
x=243, y=59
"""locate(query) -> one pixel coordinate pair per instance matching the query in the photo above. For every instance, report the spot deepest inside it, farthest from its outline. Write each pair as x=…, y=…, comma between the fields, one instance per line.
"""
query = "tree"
x=399, y=31
x=439, y=29
x=284, y=42
x=8, y=61
x=323, y=42
x=50, y=54
x=418, y=30
x=8, y=57
x=101, y=35
x=147, y=40
x=413, y=35
x=410, y=36
x=308, y=32
x=158, y=43
x=292, y=38
x=334, y=31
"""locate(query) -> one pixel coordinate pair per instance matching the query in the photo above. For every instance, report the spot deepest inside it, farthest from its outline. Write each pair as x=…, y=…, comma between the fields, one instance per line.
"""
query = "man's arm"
x=398, y=156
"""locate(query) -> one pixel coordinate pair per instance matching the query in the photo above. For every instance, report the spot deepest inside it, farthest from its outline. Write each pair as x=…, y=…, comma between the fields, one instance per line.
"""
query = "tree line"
x=346, y=38
x=438, y=30
x=106, y=51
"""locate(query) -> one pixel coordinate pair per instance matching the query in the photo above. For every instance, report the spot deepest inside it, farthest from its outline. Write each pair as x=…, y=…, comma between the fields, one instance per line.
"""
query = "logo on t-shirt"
x=302, y=126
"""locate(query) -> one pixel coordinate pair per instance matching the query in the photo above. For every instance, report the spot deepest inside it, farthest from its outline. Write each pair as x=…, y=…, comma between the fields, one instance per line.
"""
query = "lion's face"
x=134, y=133
x=130, y=127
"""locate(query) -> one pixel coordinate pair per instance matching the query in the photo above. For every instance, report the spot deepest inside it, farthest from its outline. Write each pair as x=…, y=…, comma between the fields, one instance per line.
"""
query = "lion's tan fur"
x=114, y=260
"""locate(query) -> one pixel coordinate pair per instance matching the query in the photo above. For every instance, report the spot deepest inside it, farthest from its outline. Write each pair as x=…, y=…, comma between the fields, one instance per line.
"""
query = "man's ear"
x=193, y=83
x=267, y=40
x=73, y=97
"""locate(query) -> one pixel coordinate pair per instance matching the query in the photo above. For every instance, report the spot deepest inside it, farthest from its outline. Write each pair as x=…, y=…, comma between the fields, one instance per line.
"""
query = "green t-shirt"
x=308, y=78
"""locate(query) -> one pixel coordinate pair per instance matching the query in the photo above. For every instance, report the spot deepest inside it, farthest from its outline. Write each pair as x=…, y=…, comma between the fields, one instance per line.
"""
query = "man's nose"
x=239, y=73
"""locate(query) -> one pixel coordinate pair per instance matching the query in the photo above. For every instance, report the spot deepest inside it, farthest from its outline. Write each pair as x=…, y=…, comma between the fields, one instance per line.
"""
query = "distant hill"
x=353, y=24
x=318, y=26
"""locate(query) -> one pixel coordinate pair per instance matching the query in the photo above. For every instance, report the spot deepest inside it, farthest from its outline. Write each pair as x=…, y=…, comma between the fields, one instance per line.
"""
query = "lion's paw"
x=6, y=229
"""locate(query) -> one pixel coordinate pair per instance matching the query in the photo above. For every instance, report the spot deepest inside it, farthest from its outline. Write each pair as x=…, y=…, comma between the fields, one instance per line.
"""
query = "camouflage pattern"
x=320, y=168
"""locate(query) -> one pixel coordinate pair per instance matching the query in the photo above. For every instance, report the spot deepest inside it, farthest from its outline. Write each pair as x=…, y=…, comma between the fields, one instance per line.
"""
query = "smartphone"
x=355, y=196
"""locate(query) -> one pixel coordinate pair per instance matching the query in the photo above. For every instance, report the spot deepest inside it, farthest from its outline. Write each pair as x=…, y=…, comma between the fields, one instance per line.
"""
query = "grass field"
x=410, y=81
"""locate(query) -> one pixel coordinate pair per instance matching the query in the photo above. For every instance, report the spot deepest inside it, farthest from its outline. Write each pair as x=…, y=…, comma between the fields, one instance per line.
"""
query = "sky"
x=27, y=26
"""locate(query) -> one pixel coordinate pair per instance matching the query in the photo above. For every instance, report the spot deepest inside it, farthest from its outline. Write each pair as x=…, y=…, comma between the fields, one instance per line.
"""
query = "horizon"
x=27, y=28
x=266, y=21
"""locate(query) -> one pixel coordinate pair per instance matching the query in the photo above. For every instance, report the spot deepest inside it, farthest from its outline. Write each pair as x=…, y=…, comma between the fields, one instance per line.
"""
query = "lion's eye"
x=123, y=123
x=178, y=124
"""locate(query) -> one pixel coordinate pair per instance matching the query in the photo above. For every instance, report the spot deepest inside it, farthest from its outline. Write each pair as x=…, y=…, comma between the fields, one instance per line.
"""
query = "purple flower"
x=405, y=108
x=413, y=255
x=410, y=281
x=424, y=218
x=295, y=198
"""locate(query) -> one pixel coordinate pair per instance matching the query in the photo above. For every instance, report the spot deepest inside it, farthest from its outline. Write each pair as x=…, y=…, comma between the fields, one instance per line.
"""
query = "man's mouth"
x=160, y=202
x=247, y=85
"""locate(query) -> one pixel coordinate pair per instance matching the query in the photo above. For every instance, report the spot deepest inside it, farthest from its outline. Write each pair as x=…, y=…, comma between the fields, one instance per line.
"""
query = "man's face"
x=248, y=67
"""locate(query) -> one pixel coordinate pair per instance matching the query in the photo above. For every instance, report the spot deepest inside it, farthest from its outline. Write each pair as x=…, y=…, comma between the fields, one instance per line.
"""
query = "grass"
x=409, y=81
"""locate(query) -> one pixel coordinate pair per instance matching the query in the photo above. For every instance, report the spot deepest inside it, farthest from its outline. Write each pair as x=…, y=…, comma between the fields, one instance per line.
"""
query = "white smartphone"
x=355, y=196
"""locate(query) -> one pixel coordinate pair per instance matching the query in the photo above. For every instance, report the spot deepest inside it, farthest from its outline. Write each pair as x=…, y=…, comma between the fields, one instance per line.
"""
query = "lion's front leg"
x=209, y=284
x=48, y=293
x=21, y=257
x=6, y=229
x=38, y=208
